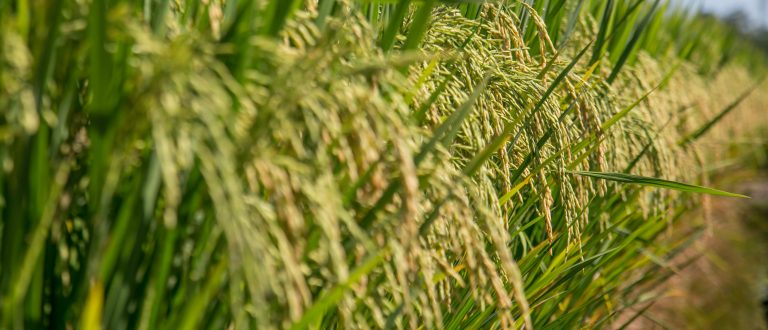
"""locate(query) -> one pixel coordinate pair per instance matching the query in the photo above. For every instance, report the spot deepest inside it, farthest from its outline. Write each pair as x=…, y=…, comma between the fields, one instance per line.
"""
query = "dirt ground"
x=727, y=286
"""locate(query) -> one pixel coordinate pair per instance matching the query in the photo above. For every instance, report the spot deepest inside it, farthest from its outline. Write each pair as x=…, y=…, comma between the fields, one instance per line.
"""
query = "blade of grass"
x=630, y=47
x=654, y=182
x=695, y=135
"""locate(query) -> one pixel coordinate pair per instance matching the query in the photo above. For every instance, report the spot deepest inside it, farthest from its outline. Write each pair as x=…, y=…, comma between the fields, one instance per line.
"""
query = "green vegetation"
x=351, y=164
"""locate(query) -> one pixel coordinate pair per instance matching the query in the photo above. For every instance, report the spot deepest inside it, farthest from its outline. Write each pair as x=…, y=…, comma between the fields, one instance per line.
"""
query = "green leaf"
x=654, y=182
x=419, y=25
x=630, y=47
x=278, y=13
x=394, y=24
x=706, y=127
x=601, y=34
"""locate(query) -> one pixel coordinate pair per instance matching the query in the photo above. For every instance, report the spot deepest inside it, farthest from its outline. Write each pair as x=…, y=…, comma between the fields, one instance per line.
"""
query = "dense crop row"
x=186, y=164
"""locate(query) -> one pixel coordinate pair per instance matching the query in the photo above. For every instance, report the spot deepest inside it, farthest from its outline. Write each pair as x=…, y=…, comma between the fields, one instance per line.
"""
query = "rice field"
x=320, y=164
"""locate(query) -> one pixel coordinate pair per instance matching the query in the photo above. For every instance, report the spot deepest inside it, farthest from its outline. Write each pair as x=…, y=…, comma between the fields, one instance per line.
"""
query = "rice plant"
x=341, y=164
